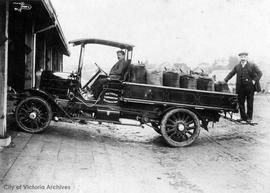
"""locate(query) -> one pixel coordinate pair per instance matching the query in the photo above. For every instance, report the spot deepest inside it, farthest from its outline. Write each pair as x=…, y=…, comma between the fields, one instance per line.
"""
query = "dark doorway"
x=17, y=50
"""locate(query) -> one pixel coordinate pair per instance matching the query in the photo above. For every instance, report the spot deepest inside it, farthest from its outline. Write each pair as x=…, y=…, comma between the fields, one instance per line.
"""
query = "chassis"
x=175, y=113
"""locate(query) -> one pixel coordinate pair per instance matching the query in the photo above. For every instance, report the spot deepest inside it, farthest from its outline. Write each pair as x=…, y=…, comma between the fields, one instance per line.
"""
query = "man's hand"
x=253, y=82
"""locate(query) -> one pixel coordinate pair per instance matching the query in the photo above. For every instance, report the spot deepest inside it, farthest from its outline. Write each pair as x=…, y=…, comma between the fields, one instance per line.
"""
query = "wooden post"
x=29, y=65
x=60, y=57
x=44, y=54
x=4, y=13
x=34, y=59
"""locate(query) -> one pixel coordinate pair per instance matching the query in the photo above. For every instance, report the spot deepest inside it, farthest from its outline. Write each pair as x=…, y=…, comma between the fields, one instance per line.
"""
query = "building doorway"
x=17, y=50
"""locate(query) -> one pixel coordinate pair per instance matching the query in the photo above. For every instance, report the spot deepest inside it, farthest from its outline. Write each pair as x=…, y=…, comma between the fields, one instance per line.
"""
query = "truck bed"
x=199, y=99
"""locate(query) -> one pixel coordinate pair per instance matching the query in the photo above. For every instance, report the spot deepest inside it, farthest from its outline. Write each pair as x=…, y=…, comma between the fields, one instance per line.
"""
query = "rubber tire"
x=48, y=108
x=184, y=143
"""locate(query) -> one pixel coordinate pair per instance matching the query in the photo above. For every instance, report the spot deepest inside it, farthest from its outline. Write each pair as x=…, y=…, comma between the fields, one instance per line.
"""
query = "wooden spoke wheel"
x=33, y=114
x=180, y=127
x=156, y=127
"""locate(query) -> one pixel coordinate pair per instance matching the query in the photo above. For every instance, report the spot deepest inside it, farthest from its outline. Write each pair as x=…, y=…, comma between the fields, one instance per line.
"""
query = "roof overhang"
x=52, y=14
x=102, y=42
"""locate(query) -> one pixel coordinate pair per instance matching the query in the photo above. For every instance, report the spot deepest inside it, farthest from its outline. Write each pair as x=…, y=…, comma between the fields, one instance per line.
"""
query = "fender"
x=50, y=99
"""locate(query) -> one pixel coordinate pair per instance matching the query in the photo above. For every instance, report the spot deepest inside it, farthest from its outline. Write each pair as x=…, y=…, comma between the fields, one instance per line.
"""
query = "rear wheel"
x=180, y=127
x=33, y=114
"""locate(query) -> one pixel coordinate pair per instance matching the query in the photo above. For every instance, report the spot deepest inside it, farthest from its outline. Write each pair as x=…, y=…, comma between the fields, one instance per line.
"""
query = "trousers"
x=98, y=87
x=246, y=94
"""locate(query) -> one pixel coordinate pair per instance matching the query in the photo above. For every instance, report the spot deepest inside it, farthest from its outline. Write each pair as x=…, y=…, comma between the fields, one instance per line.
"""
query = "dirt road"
x=92, y=158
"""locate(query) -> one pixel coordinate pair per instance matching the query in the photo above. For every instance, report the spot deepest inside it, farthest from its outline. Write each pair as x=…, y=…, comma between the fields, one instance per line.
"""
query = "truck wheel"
x=156, y=127
x=33, y=114
x=180, y=127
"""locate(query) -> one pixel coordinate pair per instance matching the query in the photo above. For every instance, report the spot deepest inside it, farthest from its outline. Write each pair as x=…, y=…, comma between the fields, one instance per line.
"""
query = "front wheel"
x=33, y=114
x=180, y=127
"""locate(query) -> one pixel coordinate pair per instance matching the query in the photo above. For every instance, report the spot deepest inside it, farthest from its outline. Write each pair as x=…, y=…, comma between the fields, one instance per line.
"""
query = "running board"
x=84, y=120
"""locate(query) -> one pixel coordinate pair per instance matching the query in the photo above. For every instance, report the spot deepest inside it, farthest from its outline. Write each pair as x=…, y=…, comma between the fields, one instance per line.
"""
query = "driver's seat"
x=97, y=87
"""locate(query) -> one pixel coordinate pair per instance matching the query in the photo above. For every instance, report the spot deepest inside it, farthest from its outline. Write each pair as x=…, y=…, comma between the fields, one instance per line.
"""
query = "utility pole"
x=4, y=14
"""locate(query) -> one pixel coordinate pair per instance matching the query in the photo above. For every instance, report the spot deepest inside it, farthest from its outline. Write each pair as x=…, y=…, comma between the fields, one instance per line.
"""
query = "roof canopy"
x=51, y=11
x=102, y=42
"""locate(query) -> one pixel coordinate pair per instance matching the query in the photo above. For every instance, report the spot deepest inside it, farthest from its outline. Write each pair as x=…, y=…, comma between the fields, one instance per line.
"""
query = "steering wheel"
x=101, y=69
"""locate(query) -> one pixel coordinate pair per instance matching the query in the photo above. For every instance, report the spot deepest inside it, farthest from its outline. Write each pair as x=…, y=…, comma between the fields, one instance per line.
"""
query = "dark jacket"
x=254, y=73
x=119, y=69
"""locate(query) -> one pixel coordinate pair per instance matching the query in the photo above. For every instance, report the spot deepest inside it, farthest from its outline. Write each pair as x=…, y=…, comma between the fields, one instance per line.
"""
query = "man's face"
x=120, y=56
x=243, y=58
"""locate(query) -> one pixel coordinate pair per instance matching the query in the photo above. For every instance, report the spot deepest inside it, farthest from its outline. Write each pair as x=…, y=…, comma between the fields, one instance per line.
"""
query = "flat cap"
x=243, y=53
x=121, y=51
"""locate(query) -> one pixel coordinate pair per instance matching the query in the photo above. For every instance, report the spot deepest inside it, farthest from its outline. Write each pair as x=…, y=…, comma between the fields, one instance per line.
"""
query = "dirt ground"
x=230, y=158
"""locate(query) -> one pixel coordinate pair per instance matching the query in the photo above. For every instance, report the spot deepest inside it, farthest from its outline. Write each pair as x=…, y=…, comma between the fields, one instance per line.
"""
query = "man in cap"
x=118, y=72
x=247, y=82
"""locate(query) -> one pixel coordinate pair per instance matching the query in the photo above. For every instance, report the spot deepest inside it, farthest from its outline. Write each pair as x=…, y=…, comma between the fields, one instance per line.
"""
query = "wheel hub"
x=181, y=127
x=33, y=115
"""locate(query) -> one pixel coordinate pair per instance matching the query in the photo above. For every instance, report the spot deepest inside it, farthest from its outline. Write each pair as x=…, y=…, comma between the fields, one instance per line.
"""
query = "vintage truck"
x=175, y=113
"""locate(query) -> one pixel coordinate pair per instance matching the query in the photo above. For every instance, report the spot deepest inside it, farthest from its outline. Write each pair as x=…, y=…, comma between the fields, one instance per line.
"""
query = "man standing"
x=247, y=82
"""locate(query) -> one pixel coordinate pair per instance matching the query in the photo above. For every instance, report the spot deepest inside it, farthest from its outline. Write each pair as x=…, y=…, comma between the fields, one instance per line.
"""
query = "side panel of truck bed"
x=144, y=93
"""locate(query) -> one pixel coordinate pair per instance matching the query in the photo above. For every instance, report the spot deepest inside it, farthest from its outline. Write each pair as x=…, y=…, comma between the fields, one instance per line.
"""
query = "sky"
x=190, y=31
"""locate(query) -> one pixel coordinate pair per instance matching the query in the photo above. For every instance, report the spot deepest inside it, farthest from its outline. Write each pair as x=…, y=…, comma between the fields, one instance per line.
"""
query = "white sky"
x=191, y=31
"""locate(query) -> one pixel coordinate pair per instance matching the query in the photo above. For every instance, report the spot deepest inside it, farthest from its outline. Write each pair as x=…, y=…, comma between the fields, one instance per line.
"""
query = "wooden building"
x=31, y=40
x=36, y=42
